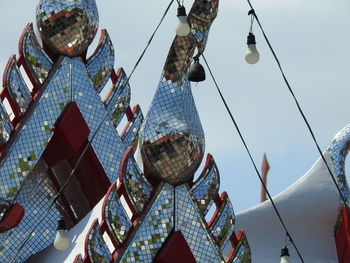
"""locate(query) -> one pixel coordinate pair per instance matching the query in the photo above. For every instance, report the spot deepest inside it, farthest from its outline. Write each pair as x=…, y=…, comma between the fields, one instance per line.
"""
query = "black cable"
x=252, y=12
x=20, y=247
x=251, y=158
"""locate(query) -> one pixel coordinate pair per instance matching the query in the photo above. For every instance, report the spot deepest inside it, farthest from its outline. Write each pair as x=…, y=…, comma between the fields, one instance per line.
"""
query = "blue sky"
x=310, y=38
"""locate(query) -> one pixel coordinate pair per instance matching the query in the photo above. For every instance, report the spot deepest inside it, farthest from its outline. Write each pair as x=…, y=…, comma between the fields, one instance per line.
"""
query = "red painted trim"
x=103, y=225
x=131, y=117
x=86, y=243
x=206, y=167
x=234, y=239
x=123, y=164
x=6, y=71
x=76, y=258
x=6, y=94
x=219, y=201
x=115, y=78
x=12, y=218
x=130, y=113
x=21, y=39
x=103, y=35
x=22, y=60
x=342, y=236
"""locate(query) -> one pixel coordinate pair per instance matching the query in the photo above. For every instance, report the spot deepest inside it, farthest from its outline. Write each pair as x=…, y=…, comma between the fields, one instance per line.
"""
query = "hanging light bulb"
x=61, y=241
x=252, y=55
x=285, y=255
x=182, y=26
x=196, y=73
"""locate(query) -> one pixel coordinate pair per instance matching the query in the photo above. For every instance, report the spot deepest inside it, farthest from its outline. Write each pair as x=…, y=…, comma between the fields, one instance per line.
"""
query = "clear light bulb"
x=285, y=255
x=61, y=240
x=252, y=55
x=285, y=259
x=182, y=26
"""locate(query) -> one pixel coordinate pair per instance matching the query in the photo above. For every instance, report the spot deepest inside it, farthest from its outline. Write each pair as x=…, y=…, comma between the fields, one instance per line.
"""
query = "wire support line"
x=251, y=158
x=25, y=241
x=252, y=12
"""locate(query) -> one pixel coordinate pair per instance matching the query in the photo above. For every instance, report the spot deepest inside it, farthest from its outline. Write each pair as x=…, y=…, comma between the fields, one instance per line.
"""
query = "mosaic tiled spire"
x=57, y=119
x=172, y=137
x=62, y=79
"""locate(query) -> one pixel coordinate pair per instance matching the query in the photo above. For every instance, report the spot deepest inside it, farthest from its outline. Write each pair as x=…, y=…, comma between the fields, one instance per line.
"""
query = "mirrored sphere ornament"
x=67, y=27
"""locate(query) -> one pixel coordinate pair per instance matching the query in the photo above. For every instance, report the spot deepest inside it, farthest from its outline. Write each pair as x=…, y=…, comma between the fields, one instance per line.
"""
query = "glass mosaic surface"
x=36, y=195
x=201, y=16
x=36, y=60
x=96, y=247
x=338, y=151
x=172, y=137
x=193, y=227
x=30, y=142
x=107, y=144
x=67, y=26
x=136, y=185
x=78, y=259
x=153, y=229
x=119, y=99
x=130, y=136
x=115, y=217
x=207, y=186
x=224, y=223
x=100, y=64
x=242, y=252
x=5, y=130
x=16, y=86
x=172, y=141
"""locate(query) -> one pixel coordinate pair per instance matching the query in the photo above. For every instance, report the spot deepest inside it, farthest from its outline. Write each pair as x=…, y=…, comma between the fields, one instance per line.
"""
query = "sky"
x=310, y=39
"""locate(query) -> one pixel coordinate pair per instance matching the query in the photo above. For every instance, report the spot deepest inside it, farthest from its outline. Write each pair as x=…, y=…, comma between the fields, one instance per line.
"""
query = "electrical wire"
x=253, y=13
x=25, y=241
x=251, y=158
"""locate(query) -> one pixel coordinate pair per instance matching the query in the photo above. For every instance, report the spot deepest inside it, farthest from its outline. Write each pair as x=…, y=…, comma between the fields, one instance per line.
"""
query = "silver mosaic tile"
x=193, y=227
x=30, y=141
x=153, y=228
x=115, y=216
x=107, y=143
x=36, y=196
x=118, y=100
x=97, y=249
x=100, y=64
x=5, y=130
x=224, y=223
x=67, y=26
x=16, y=86
x=338, y=151
x=36, y=60
x=207, y=185
x=130, y=135
x=136, y=185
x=242, y=252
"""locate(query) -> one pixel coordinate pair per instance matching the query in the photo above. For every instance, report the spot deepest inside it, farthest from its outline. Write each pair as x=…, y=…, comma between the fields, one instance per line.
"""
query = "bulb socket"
x=61, y=225
x=251, y=39
x=181, y=11
x=284, y=252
